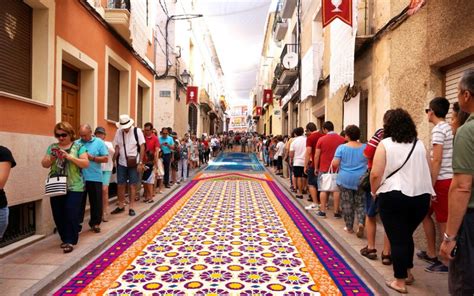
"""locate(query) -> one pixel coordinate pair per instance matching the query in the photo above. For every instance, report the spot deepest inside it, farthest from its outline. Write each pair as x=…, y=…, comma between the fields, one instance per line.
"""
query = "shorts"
x=127, y=175
x=371, y=205
x=151, y=179
x=312, y=178
x=3, y=220
x=106, y=177
x=298, y=171
x=439, y=204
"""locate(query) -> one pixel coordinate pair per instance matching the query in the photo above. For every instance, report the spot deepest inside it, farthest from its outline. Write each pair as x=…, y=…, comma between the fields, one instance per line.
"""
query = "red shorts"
x=439, y=204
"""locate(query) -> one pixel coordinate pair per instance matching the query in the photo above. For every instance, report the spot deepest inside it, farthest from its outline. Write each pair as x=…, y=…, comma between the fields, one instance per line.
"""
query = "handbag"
x=56, y=185
x=364, y=183
x=328, y=181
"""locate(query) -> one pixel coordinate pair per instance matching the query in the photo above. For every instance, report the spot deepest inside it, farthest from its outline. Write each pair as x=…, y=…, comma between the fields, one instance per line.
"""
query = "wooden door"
x=70, y=106
x=70, y=102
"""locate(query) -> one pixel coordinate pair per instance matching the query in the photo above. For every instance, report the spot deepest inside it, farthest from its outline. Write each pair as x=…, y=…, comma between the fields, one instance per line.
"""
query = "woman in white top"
x=401, y=180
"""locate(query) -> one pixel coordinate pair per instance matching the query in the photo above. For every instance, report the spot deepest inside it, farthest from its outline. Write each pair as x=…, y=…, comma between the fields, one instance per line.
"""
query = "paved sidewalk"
x=426, y=283
x=30, y=269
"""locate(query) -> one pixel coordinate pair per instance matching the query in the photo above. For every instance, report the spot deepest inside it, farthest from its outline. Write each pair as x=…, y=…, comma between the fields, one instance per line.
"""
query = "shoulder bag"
x=131, y=160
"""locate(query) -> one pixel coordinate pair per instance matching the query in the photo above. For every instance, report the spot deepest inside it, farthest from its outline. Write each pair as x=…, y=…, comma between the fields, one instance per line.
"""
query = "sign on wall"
x=258, y=111
x=337, y=9
x=192, y=95
x=267, y=96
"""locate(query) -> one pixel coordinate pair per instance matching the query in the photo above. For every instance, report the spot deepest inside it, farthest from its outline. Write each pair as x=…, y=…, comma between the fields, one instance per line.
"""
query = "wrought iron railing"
x=21, y=223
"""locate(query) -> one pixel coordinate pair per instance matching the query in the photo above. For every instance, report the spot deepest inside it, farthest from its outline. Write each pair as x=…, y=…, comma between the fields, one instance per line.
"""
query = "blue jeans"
x=3, y=220
x=66, y=214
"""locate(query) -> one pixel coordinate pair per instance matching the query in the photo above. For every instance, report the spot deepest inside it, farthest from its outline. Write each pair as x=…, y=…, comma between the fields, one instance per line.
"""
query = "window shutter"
x=113, y=94
x=15, y=53
x=453, y=76
x=140, y=107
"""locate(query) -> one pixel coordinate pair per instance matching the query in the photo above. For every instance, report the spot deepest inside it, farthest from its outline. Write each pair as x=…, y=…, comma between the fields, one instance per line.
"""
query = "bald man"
x=97, y=153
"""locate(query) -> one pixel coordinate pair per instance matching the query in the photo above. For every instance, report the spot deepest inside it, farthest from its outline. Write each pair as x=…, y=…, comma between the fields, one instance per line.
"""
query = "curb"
x=63, y=274
x=366, y=271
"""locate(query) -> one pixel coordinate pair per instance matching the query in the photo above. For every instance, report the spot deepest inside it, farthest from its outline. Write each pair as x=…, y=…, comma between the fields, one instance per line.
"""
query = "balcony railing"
x=119, y=4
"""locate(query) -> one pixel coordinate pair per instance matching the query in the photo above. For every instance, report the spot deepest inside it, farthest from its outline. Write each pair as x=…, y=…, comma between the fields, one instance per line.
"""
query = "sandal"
x=410, y=280
x=63, y=245
x=95, y=229
x=346, y=229
x=150, y=201
x=369, y=253
x=68, y=248
x=360, y=231
x=386, y=259
x=393, y=287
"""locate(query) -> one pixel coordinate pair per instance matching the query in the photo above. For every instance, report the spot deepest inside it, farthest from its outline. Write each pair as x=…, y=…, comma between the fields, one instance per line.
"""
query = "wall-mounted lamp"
x=185, y=77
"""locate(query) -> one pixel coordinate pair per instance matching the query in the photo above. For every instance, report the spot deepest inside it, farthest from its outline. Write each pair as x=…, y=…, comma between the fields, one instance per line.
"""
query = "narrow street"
x=231, y=232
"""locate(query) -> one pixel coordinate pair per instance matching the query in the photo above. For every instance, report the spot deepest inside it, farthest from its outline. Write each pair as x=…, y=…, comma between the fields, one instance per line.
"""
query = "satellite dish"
x=290, y=60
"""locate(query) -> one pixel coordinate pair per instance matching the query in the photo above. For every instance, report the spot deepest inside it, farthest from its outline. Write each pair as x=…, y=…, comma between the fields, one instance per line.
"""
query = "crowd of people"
x=395, y=176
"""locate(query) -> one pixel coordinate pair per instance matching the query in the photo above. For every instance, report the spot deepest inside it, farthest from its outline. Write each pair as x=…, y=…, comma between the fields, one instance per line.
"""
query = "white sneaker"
x=312, y=207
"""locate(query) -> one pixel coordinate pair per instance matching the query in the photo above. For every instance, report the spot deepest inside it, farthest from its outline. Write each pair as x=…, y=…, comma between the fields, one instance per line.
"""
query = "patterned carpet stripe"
x=236, y=162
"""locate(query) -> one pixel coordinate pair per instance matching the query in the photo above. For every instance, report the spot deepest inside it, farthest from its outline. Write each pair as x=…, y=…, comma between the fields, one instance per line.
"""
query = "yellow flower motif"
x=162, y=268
x=235, y=268
x=277, y=287
x=199, y=267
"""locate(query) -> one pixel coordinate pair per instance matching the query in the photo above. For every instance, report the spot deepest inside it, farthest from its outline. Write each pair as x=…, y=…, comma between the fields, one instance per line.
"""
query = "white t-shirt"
x=280, y=147
x=130, y=142
x=442, y=134
x=109, y=165
x=415, y=177
x=299, y=147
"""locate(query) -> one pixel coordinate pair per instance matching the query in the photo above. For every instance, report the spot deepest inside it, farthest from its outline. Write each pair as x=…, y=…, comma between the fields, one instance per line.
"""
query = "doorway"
x=70, y=101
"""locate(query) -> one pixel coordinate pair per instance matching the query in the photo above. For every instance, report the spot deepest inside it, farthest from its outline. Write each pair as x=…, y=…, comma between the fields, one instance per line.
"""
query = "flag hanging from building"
x=192, y=95
x=415, y=5
x=337, y=9
x=342, y=44
x=267, y=96
x=258, y=111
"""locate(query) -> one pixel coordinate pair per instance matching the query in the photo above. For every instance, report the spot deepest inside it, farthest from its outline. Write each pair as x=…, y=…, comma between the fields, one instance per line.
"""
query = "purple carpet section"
x=342, y=274
x=88, y=274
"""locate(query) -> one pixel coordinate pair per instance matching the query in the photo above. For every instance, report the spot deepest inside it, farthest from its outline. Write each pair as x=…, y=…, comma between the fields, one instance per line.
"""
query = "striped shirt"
x=369, y=151
x=442, y=134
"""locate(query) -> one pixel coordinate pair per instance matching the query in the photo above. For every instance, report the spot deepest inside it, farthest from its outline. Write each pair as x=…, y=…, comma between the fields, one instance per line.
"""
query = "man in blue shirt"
x=167, y=145
x=97, y=153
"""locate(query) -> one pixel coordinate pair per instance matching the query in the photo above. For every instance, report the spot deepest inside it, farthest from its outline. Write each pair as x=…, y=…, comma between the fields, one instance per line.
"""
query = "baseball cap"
x=100, y=130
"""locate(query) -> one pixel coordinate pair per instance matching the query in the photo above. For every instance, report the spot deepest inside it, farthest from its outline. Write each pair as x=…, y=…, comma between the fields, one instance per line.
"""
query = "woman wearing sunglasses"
x=67, y=157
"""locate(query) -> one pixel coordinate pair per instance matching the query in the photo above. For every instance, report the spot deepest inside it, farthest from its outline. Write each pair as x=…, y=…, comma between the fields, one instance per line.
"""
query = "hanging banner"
x=267, y=96
x=258, y=111
x=333, y=9
x=414, y=6
x=192, y=95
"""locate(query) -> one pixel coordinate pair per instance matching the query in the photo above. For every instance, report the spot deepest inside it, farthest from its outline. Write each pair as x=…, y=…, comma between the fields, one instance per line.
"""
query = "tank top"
x=414, y=178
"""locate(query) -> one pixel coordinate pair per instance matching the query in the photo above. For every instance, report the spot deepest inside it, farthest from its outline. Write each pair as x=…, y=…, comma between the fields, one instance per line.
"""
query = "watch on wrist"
x=448, y=238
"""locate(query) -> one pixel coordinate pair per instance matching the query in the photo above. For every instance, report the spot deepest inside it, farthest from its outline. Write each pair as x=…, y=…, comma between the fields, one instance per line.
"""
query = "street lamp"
x=185, y=77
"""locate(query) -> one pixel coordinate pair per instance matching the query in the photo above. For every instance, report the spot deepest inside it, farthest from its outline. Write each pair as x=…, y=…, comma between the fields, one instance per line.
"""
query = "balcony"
x=281, y=89
x=204, y=100
x=117, y=14
x=280, y=29
x=288, y=75
x=288, y=8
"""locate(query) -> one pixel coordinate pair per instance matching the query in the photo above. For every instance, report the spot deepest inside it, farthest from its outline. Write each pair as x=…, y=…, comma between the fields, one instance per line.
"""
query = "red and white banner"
x=258, y=111
x=267, y=96
x=414, y=6
x=192, y=95
x=333, y=9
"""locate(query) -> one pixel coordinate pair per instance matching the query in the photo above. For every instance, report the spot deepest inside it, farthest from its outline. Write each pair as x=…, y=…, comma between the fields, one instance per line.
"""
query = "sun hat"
x=124, y=122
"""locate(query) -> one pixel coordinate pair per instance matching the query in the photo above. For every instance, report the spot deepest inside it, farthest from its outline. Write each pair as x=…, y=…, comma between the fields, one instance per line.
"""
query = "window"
x=21, y=223
x=118, y=86
x=113, y=94
x=16, y=35
x=140, y=106
x=453, y=76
